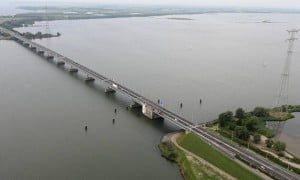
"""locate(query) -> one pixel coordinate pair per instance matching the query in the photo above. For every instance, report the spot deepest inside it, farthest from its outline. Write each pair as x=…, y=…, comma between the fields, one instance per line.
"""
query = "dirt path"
x=173, y=137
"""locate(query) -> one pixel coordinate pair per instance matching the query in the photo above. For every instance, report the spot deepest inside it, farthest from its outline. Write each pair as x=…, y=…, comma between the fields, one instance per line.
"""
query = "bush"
x=280, y=154
x=295, y=160
x=252, y=123
x=256, y=138
x=279, y=146
x=240, y=113
x=242, y=133
x=225, y=117
x=269, y=143
x=260, y=112
x=232, y=126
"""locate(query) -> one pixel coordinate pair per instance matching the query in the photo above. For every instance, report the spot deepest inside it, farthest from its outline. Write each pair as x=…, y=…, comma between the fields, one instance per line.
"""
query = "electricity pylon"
x=283, y=98
x=46, y=19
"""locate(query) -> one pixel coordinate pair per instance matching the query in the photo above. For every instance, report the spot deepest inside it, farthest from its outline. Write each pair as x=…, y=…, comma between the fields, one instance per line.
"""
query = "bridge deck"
x=179, y=121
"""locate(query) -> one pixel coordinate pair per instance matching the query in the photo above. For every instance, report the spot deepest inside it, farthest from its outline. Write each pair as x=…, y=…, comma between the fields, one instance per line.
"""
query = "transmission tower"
x=283, y=99
x=46, y=19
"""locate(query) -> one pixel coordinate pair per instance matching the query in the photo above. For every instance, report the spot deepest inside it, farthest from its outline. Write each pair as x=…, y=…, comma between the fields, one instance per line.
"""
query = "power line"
x=46, y=19
x=283, y=98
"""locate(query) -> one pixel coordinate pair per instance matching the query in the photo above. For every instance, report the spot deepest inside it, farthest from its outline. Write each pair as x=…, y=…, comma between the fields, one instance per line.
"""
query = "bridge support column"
x=109, y=90
x=135, y=105
x=187, y=131
x=73, y=70
x=50, y=57
x=60, y=63
x=33, y=48
x=26, y=44
x=148, y=111
x=40, y=52
x=89, y=79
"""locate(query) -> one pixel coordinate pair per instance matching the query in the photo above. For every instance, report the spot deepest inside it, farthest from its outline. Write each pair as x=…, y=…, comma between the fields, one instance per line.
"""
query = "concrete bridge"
x=153, y=110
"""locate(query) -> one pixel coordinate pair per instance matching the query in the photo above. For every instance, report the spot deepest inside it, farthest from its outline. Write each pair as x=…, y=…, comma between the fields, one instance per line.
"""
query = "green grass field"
x=189, y=168
x=194, y=144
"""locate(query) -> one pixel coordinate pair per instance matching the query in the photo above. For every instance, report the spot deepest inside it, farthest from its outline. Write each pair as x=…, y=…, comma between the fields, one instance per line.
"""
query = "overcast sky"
x=244, y=3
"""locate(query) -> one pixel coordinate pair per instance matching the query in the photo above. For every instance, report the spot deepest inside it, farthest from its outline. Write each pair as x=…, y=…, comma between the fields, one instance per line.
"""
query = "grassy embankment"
x=193, y=170
x=194, y=144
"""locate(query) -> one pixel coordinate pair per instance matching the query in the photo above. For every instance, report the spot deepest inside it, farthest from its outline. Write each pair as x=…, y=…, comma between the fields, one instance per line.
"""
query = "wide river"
x=227, y=60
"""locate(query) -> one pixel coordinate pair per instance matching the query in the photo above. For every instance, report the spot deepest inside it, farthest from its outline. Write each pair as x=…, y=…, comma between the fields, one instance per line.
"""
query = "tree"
x=256, y=138
x=232, y=126
x=279, y=146
x=242, y=133
x=260, y=112
x=252, y=123
x=225, y=117
x=240, y=113
x=240, y=122
x=269, y=143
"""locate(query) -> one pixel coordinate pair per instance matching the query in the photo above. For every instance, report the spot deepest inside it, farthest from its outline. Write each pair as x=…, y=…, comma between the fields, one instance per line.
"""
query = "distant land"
x=39, y=13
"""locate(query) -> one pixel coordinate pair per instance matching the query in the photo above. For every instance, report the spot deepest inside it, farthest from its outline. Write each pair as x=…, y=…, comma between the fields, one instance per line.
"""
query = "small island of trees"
x=250, y=129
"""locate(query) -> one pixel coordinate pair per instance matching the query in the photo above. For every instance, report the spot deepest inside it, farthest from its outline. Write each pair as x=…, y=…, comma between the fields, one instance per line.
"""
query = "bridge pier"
x=33, y=48
x=60, y=63
x=26, y=44
x=19, y=41
x=73, y=70
x=40, y=52
x=135, y=105
x=109, y=90
x=89, y=79
x=187, y=131
x=148, y=111
x=50, y=57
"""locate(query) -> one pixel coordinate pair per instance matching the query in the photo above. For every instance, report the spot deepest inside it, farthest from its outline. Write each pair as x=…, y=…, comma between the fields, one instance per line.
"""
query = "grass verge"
x=191, y=169
x=195, y=145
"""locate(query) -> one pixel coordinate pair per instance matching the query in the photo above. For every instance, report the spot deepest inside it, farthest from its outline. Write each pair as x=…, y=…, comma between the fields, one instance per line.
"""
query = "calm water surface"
x=227, y=60
x=291, y=134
